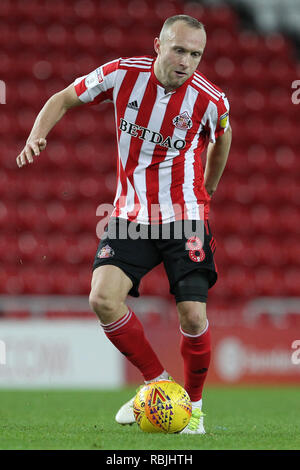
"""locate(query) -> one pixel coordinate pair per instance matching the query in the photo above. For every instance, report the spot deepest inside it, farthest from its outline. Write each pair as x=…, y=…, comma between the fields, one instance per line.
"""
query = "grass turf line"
x=236, y=418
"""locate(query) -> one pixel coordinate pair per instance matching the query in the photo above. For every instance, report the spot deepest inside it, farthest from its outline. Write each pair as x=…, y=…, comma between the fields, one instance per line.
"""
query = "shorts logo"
x=106, y=252
x=196, y=252
x=183, y=121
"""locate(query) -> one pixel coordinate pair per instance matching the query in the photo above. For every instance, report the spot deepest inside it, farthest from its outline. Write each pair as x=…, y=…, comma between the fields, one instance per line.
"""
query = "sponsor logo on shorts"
x=106, y=252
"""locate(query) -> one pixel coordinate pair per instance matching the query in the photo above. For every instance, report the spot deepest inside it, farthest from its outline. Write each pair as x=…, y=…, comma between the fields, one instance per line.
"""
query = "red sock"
x=127, y=335
x=196, y=351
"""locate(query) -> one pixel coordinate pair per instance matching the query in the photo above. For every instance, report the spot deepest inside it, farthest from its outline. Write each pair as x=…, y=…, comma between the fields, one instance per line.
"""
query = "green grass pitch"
x=236, y=418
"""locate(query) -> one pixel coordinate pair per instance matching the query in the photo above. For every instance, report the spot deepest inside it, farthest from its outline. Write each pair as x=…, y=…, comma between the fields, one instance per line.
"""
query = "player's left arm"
x=217, y=154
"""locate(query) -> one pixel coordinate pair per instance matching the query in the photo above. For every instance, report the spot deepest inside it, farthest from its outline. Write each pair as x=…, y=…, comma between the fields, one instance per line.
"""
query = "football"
x=162, y=406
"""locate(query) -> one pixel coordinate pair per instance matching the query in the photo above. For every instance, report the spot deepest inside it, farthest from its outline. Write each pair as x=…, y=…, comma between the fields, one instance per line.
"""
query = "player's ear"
x=157, y=45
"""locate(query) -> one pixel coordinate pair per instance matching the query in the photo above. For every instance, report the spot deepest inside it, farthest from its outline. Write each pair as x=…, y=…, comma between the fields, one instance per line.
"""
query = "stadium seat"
x=290, y=250
x=6, y=63
x=155, y=283
x=11, y=282
x=237, y=282
x=291, y=281
x=269, y=281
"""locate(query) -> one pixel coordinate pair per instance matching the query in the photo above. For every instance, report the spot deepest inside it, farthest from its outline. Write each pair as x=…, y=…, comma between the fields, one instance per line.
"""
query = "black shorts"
x=184, y=247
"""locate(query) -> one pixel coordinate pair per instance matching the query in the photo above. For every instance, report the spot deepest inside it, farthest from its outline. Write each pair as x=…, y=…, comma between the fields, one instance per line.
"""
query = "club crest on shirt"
x=183, y=121
x=106, y=252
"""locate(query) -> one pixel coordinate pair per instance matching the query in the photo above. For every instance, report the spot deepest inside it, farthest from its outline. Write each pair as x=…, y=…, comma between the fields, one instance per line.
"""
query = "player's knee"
x=104, y=306
x=192, y=317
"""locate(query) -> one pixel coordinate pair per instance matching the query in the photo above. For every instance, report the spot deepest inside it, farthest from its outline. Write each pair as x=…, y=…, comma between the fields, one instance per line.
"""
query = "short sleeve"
x=223, y=116
x=217, y=117
x=98, y=85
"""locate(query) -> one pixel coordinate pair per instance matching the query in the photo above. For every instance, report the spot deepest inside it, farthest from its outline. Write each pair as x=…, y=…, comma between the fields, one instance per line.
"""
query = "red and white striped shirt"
x=160, y=138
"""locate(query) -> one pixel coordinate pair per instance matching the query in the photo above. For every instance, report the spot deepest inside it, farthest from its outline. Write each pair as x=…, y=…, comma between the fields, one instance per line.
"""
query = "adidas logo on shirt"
x=133, y=105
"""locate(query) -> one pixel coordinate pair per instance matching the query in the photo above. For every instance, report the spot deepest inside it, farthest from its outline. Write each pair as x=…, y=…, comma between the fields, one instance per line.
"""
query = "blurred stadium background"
x=48, y=336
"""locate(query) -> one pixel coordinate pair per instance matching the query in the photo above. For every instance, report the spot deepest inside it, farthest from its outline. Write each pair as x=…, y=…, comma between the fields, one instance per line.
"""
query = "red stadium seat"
x=37, y=280
x=86, y=214
x=59, y=155
x=222, y=39
x=57, y=245
x=5, y=185
x=32, y=248
x=239, y=250
x=232, y=218
x=289, y=216
x=6, y=63
x=268, y=251
x=37, y=187
x=68, y=281
x=69, y=250
x=269, y=281
x=8, y=216
x=222, y=16
x=155, y=283
x=291, y=278
x=278, y=45
x=7, y=36
x=237, y=282
x=290, y=250
x=12, y=282
x=263, y=219
x=9, y=252
x=286, y=159
x=29, y=214
x=257, y=158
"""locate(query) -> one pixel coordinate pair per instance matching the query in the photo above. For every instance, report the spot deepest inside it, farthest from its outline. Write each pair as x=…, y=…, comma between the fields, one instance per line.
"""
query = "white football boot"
x=195, y=425
x=125, y=414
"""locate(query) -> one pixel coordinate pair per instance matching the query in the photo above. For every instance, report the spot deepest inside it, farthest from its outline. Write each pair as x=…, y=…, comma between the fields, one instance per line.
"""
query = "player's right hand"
x=31, y=149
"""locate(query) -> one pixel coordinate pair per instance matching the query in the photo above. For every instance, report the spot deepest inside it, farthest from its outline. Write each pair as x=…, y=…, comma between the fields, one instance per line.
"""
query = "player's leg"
x=109, y=290
x=110, y=287
x=191, y=270
x=117, y=273
x=195, y=345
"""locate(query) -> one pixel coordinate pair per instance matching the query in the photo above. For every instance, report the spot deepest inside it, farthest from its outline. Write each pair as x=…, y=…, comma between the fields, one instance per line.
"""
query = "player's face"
x=179, y=52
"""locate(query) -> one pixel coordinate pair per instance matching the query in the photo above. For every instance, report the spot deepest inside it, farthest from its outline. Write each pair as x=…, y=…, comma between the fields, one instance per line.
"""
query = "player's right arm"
x=50, y=114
